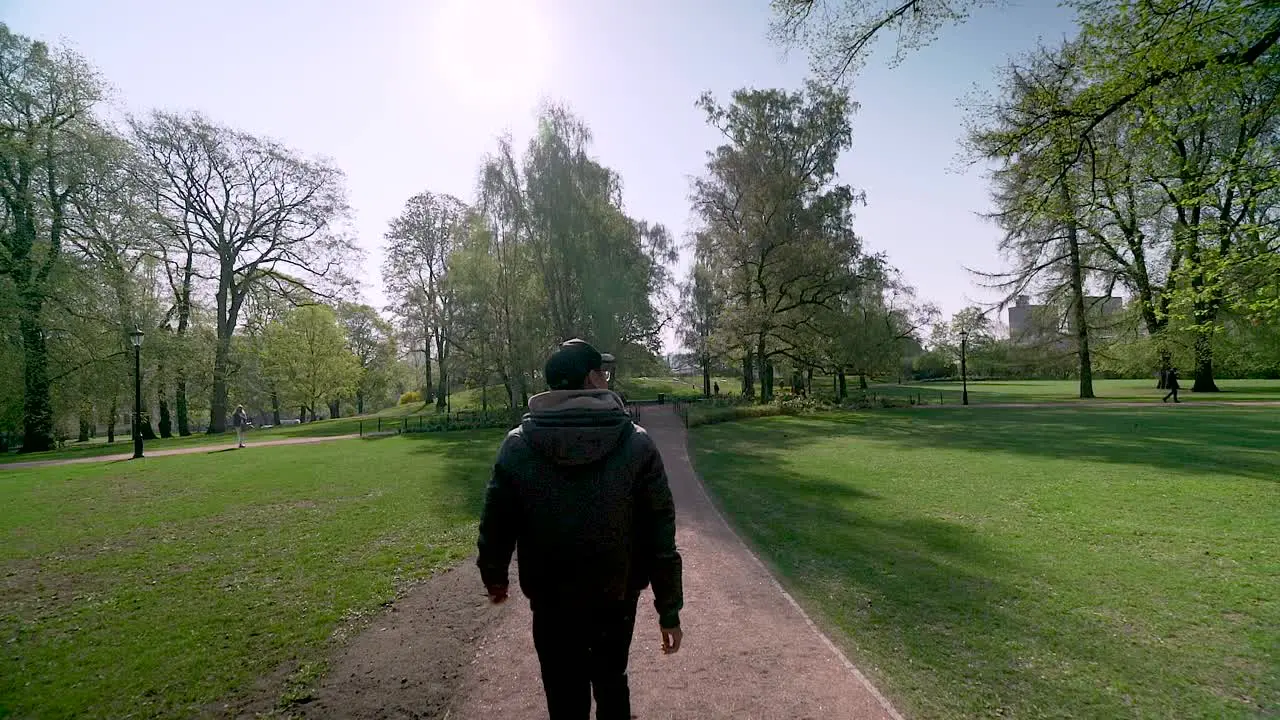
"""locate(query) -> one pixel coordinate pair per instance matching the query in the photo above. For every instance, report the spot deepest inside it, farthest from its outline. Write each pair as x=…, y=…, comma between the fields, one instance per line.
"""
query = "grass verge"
x=154, y=588
x=1042, y=391
x=1067, y=562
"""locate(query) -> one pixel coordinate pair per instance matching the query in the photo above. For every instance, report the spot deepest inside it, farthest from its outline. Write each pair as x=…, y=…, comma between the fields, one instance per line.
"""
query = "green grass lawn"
x=152, y=588
x=1037, y=391
x=1067, y=562
x=686, y=387
x=386, y=419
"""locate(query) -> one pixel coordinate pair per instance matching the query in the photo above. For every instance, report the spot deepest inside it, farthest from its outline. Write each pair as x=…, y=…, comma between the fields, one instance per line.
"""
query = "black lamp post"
x=135, y=339
x=964, y=370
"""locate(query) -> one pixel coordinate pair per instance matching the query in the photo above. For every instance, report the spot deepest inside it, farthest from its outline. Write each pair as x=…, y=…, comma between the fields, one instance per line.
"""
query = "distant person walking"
x=581, y=491
x=240, y=419
x=1171, y=384
x=717, y=390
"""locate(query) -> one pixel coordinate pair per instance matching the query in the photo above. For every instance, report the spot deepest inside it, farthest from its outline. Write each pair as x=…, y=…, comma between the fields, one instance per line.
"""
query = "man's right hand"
x=671, y=638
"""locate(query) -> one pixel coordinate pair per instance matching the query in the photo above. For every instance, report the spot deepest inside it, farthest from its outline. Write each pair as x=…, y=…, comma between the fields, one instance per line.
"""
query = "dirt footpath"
x=749, y=651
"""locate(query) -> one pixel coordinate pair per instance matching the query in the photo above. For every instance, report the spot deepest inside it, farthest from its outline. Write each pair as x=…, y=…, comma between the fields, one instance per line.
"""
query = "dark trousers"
x=585, y=650
x=1173, y=393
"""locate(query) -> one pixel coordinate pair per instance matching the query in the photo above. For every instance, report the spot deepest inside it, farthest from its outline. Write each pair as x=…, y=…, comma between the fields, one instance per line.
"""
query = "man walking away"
x=581, y=491
x=240, y=418
x=1171, y=382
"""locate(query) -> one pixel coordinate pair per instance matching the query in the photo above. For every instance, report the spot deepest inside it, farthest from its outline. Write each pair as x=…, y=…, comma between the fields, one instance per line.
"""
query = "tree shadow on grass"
x=1235, y=441
x=468, y=459
x=933, y=602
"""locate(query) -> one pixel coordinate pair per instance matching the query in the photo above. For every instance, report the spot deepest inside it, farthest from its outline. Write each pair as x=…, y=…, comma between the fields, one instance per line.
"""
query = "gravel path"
x=749, y=652
x=174, y=451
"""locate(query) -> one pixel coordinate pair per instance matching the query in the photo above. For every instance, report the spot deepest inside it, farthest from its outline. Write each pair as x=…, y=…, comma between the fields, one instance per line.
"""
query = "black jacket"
x=580, y=489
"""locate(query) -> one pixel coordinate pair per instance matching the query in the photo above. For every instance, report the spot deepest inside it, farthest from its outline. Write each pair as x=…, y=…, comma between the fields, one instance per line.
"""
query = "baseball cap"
x=567, y=368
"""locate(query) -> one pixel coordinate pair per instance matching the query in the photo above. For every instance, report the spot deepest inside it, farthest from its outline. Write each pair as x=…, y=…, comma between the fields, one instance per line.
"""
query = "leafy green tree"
x=500, y=321
x=933, y=365
x=547, y=253
x=48, y=139
x=841, y=33
x=371, y=340
x=307, y=357
x=1217, y=166
x=600, y=270
x=872, y=327
x=1038, y=188
x=774, y=225
x=970, y=326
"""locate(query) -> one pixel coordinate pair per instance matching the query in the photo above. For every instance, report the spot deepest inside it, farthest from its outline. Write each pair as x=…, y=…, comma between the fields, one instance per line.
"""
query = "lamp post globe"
x=135, y=339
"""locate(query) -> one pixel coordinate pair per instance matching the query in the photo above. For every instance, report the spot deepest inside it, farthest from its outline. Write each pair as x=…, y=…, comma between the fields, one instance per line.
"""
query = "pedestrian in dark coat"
x=1171, y=383
x=580, y=490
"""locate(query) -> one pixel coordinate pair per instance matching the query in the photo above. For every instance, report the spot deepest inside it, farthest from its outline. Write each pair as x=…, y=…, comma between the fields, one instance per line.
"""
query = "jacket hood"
x=576, y=427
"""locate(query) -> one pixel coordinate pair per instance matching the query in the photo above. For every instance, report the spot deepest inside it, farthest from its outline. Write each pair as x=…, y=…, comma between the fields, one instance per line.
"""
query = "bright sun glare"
x=491, y=53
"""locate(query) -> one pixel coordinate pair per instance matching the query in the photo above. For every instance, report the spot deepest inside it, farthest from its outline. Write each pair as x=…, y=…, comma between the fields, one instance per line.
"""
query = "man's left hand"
x=498, y=594
x=671, y=638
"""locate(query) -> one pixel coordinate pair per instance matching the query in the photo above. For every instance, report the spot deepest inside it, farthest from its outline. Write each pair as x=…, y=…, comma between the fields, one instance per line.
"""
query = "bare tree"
x=255, y=214
x=419, y=242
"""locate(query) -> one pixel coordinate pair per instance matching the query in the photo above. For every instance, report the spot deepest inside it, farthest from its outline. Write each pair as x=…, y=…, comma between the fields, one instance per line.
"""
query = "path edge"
x=835, y=649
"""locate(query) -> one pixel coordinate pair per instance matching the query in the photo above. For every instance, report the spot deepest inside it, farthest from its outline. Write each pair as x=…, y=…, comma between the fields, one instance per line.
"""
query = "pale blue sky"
x=409, y=95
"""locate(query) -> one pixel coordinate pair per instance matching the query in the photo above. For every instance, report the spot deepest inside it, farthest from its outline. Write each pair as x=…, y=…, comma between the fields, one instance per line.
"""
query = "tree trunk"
x=111, y=422
x=83, y=435
x=218, y=398
x=180, y=405
x=184, y=319
x=1078, y=300
x=442, y=393
x=841, y=387
x=275, y=408
x=862, y=381
x=302, y=414
x=766, y=382
x=1204, y=364
x=510, y=387
x=144, y=426
x=335, y=408
x=706, y=378
x=428, y=388
x=166, y=421
x=808, y=382
x=37, y=401
x=359, y=402
x=748, y=376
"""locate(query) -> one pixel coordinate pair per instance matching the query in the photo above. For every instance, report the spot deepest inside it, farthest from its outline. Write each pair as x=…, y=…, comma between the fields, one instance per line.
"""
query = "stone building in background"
x=1051, y=325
